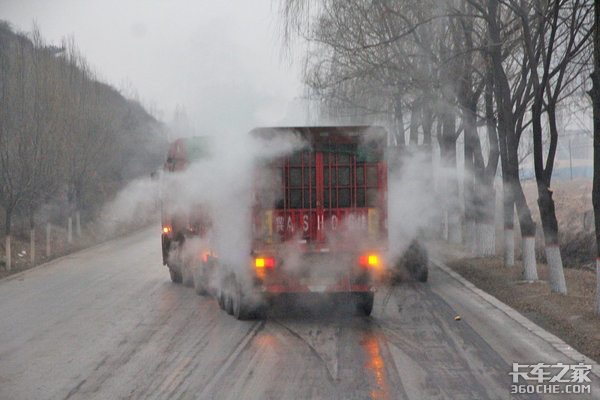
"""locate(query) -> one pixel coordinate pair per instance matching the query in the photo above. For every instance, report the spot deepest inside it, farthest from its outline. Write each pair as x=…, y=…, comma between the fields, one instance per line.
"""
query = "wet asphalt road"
x=107, y=323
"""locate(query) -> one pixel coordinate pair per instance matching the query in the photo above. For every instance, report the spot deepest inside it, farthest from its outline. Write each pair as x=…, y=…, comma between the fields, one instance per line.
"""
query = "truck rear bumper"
x=315, y=288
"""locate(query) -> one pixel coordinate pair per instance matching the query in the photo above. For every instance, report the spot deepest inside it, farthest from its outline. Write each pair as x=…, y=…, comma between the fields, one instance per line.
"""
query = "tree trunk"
x=398, y=122
x=595, y=95
x=471, y=198
x=550, y=227
x=543, y=176
x=486, y=228
x=508, y=207
x=529, y=263
x=448, y=153
x=486, y=239
x=471, y=235
x=413, y=138
x=527, y=226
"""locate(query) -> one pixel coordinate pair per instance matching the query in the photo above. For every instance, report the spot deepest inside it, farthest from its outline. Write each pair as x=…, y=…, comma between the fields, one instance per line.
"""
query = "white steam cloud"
x=223, y=185
x=411, y=202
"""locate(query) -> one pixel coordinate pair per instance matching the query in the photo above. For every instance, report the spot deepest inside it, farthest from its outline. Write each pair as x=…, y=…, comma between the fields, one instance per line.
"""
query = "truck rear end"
x=320, y=214
x=180, y=222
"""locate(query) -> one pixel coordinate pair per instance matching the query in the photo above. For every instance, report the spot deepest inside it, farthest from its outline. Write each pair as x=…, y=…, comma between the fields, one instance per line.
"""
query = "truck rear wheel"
x=416, y=261
x=186, y=276
x=199, y=279
x=364, y=303
x=221, y=299
x=241, y=311
x=421, y=274
x=229, y=304
x=175, y=275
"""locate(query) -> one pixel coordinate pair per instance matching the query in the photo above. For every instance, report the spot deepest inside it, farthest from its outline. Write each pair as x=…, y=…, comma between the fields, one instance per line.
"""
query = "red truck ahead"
x=319, y=221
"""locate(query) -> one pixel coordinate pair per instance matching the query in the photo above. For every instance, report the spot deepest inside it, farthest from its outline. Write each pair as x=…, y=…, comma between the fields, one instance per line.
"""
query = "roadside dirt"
x=570, y=317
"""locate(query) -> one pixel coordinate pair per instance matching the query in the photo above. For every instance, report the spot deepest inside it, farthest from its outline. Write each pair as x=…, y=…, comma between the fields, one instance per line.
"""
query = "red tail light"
x=369, y=260
x=206, y=255
x=263, y=262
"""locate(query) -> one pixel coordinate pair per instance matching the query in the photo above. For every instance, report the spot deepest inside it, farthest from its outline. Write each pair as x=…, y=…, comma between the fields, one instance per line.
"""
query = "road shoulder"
x=514, y=334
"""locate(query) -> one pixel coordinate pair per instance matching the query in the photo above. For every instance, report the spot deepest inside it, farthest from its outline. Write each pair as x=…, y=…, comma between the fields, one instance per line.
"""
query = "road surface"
x=107, y=323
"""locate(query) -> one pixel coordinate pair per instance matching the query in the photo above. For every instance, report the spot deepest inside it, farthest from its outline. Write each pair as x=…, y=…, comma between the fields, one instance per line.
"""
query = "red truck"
x=319, y=216
x=319, y=221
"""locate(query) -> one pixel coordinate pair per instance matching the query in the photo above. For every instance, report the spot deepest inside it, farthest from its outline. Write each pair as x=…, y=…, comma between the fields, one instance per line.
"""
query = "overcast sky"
x=220, y=59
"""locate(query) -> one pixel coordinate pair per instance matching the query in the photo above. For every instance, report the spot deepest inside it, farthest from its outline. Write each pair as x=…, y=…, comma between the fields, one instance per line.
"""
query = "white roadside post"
x=78, y=223
x=48, y=233
x=8, y=254
x=32, y=246
x=70, y=230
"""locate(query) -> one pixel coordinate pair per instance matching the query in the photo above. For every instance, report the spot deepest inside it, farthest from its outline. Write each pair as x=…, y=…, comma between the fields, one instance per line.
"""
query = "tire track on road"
x=233, y=356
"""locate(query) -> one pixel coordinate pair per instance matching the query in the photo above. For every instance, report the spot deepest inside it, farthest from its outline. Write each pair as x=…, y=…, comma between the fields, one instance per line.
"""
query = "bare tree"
x=15, y=122
x=554, y=34
x=63, y=133
x=43, y=148
x=377, y=61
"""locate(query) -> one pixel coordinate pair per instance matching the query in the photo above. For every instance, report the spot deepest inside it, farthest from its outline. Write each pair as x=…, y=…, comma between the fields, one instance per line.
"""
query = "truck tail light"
x=205, y=256
x=166, y=229
x=369, y=260
x=264, y=262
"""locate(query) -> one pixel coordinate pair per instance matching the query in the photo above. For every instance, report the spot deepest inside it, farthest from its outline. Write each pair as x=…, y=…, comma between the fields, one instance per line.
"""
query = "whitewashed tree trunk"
x=529, y=263
x=471, y=236
x=78, y=223
x=597, y=285
x=8, y=254
x=509, y=247
x=486, y=239
x=445, y=225
x=454, y=229
x=70, y=230
x=48, y=233
x=32, y=246
x=555, y=269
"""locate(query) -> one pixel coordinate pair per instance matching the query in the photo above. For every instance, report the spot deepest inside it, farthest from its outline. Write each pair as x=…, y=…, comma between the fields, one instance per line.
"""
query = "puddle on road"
x=376, y=366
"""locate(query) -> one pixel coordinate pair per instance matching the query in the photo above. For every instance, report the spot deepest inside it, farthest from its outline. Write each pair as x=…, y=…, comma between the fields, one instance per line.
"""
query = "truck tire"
x=199, y=279
x=221, y=298
x=240, y=309
x=229, y=304
x=364, y=303
x=416, y=261
x=186, y=276
x=175, y=275
x=422, y=273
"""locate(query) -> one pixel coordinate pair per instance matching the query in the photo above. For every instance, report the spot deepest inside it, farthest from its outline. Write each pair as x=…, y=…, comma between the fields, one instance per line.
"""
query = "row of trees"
x=492, y=71
x=65, y=137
